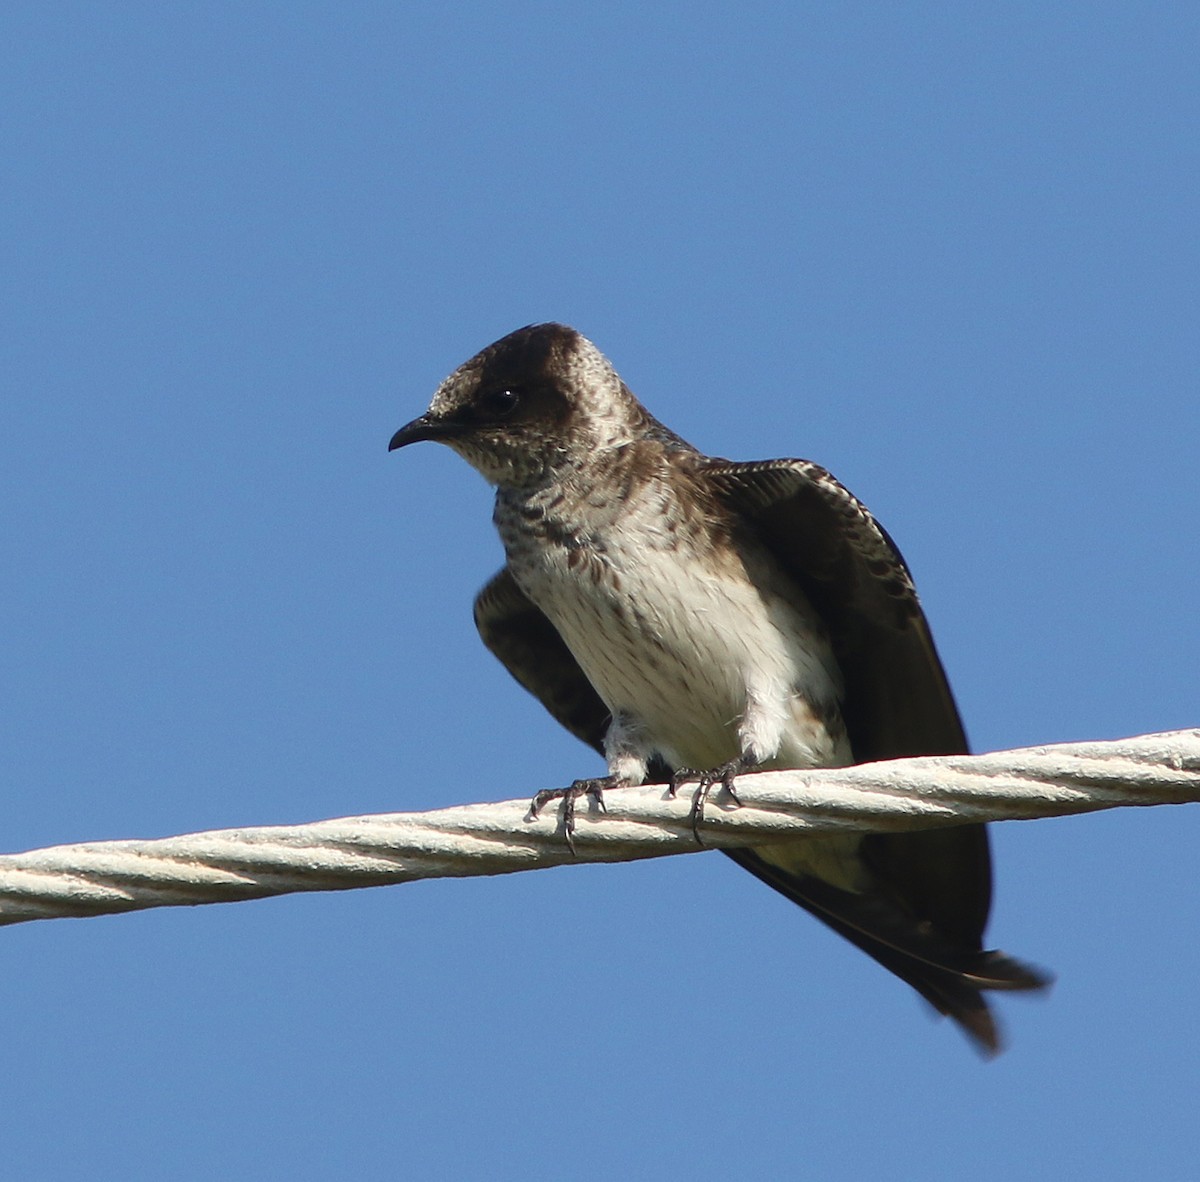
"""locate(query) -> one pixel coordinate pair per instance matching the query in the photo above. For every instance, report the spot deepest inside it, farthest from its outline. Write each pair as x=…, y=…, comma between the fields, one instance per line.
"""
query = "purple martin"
x=693, y=618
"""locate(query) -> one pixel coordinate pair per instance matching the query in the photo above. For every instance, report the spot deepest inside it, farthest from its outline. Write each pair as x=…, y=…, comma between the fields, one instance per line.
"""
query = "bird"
x=693, y=618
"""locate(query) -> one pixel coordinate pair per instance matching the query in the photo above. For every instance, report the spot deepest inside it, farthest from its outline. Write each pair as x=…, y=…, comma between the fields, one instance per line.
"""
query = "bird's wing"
x=897, y=701
x=530, y=648
x=925, y=922
x=925, y=918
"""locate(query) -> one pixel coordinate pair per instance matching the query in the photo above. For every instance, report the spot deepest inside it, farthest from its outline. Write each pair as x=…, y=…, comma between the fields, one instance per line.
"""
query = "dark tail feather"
x=947, y=972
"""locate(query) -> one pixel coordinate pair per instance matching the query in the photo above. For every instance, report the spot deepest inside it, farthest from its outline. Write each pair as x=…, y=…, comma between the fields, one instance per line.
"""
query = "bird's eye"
x=501, y=402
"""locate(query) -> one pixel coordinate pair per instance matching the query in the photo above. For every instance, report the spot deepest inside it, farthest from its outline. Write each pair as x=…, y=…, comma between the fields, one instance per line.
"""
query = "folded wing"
x=924, y=916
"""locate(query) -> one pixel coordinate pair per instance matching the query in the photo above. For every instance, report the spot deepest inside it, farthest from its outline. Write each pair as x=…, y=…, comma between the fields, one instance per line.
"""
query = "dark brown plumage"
x=594, y=497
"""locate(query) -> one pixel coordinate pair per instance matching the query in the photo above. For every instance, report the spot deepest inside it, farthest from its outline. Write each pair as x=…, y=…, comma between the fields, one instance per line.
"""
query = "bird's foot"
x=593, y=788
x=705, y=780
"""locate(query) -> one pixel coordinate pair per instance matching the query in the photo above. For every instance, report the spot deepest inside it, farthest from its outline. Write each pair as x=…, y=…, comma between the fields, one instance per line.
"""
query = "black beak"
x=426, y=427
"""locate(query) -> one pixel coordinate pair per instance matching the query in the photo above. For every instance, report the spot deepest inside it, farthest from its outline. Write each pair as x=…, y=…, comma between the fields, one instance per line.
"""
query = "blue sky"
x=948, y=252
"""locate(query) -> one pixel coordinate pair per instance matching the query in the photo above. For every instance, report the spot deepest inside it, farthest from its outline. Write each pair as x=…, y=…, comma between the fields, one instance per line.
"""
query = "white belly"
x=702, y=662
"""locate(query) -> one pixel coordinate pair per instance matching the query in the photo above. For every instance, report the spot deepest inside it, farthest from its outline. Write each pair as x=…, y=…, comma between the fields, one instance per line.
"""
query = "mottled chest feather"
x=679, y=620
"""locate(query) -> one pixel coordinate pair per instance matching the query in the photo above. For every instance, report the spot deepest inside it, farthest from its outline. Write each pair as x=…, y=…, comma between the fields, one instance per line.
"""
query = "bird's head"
x=529, y=407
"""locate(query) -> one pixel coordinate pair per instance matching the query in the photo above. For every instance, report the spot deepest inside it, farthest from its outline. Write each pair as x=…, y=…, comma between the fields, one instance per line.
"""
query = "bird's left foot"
x=593, y=788
x=705, y=780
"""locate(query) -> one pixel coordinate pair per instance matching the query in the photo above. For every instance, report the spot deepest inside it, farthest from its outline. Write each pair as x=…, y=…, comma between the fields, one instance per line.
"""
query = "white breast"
x=705, y=664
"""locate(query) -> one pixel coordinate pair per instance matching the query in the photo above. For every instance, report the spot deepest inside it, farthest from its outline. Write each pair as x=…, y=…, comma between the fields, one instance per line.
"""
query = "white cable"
x=231, y=864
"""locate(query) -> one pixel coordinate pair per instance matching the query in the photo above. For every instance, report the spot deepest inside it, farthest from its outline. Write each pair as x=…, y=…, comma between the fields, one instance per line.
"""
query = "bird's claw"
x=723, y=775
x=593, y=788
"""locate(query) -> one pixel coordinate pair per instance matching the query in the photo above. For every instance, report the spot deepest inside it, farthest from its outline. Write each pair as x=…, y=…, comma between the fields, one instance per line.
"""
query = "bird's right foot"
x=592, y=787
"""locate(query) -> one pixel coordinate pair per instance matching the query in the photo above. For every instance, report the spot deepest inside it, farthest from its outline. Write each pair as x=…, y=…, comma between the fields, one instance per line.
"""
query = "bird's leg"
x=723, y=774
x=627, y=757
x=593, y=787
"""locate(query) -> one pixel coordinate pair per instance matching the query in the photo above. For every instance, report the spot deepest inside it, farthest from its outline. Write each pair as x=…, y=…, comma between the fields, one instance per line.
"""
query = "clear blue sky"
x=948, y=251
